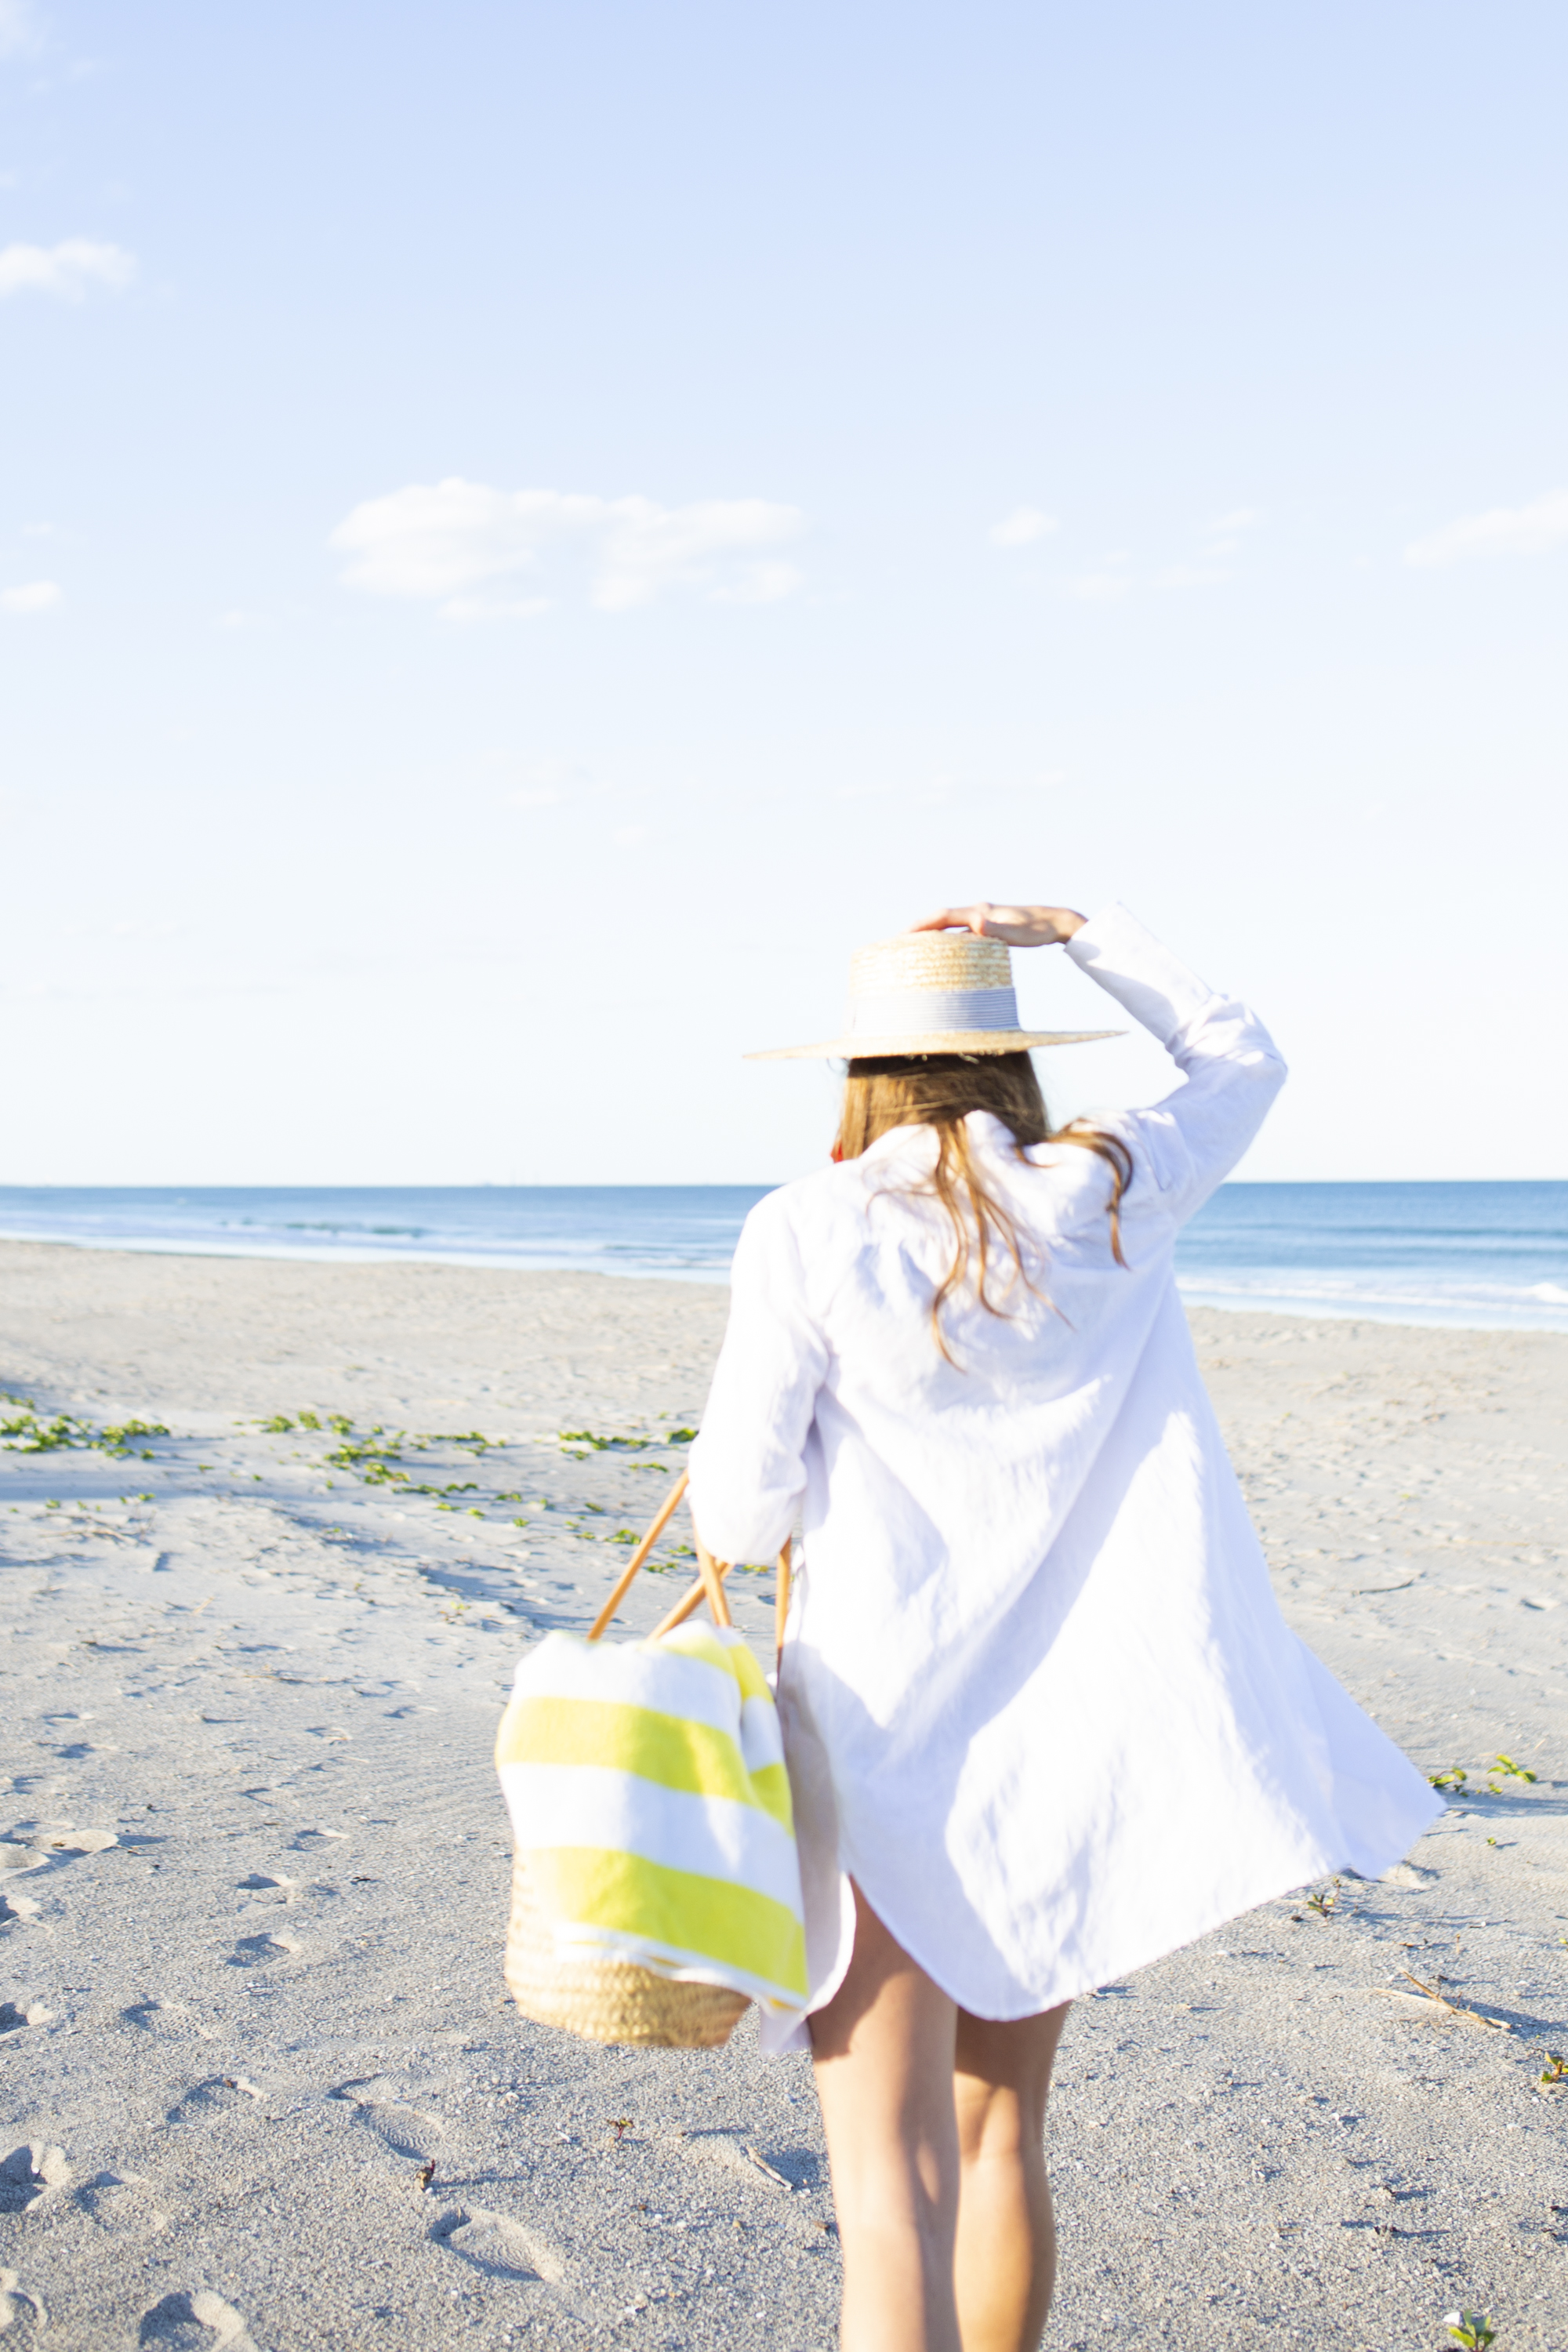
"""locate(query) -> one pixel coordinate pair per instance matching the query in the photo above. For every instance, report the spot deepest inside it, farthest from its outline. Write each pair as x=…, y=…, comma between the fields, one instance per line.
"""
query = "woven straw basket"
x=603, y=2000
x=607, y=2001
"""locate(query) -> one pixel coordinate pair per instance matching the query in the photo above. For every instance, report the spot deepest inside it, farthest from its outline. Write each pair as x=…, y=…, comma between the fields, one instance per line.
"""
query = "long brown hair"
x=939, y=1090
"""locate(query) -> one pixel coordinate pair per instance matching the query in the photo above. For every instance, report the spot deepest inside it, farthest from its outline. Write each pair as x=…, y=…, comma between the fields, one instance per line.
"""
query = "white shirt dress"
x=1038, y=1696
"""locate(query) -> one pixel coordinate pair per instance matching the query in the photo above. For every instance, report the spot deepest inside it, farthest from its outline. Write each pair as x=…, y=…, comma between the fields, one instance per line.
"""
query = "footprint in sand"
x=214, y=2092
x=12, y=2019
x=48, y=1842
x=195, y=2323
x=406, y=2129
x=120, y=2201
x=165, y=2021
x=500, y=2245
x=727, y=2151
x=29, y=2175
x=1409, y=1873
x=17, y=2307
x=254, y=1951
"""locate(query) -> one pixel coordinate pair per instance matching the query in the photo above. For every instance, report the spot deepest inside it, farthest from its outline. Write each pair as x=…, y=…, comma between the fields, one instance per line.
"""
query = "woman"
x=1044, y=1720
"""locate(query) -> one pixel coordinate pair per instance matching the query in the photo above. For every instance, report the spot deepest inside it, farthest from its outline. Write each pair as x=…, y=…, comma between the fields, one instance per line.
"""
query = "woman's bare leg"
x=884, y=2049
x=935, y=2124
x=1006, y=2261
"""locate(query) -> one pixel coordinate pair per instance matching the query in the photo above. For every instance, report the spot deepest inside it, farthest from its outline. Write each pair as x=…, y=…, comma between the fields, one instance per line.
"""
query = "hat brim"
x=932, y=1041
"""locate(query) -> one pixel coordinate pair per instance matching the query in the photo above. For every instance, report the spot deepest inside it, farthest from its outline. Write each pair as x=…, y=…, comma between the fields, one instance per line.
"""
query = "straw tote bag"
x=656, y=1888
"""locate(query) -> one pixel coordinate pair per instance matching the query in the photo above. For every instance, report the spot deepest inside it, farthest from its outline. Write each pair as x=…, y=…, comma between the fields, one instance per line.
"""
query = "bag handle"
x=708, y=1586
x=661, y=1519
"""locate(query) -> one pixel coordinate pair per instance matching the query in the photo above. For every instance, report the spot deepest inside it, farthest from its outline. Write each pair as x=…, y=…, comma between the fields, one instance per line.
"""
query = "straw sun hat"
x=931, y=992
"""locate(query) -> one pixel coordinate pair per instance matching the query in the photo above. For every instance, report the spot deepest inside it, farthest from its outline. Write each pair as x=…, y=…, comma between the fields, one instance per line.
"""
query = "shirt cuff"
x=1155, y=986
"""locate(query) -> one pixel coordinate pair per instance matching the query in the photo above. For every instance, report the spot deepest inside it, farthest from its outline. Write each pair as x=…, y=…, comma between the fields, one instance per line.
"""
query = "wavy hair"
x=939, y=1090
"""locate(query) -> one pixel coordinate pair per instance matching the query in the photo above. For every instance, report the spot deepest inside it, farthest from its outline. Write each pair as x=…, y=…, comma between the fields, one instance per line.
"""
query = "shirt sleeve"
x=1187, y=1145
x=748, y=1468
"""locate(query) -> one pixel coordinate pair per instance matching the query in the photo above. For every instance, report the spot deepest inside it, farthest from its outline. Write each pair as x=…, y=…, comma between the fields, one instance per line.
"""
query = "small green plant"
x=1325, y=1901
x=1556, y=2070
x=116, y=1439
x=681, y=1437
x=308, y=1421
x=1454, y=1778
x=278, y=1426
x=1503, y=1767
x=596, y=1443
x=23, y=1432
x=1470, y=2328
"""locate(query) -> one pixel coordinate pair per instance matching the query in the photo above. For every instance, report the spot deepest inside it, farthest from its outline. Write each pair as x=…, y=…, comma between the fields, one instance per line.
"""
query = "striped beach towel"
x=650, y=1808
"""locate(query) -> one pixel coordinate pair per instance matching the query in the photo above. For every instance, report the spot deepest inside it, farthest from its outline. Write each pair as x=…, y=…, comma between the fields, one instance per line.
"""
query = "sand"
x=261, y=2087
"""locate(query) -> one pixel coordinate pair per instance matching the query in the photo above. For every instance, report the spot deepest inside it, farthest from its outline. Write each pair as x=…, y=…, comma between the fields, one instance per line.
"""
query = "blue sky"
x=530, y=532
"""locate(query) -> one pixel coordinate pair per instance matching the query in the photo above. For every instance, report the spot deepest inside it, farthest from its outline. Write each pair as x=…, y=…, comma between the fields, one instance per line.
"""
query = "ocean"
x=1484, y=1255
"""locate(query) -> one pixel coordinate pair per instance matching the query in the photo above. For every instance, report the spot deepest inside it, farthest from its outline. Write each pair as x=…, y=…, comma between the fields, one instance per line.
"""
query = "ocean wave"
x=1490, y=1256
x=1484, y=1305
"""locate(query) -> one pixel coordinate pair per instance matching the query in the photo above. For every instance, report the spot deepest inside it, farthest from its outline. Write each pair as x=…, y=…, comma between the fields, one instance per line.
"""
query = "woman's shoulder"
x=833, y=1201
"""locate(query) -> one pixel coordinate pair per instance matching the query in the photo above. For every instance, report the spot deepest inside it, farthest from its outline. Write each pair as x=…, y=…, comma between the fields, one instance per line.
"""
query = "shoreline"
x=1194, y=1291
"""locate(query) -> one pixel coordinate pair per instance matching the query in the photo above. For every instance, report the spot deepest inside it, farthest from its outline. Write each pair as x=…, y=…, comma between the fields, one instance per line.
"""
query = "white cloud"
x=1221, y=544
x=33, y=596
x=1502, y=530
x=1099, y=587
x=18, y=28
x=544, y=782
x=1023, y=527
x=66, y=270
x=444, y=541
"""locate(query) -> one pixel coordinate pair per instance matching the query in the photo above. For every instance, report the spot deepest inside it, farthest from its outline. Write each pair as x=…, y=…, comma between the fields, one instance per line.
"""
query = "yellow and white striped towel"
x=649, y=1801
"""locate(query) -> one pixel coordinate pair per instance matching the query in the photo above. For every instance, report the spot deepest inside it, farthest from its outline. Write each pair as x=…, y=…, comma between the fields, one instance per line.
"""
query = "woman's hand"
x=1021, y=927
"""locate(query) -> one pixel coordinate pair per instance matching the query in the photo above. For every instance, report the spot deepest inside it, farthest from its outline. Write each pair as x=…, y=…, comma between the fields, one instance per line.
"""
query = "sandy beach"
x=261, y=2084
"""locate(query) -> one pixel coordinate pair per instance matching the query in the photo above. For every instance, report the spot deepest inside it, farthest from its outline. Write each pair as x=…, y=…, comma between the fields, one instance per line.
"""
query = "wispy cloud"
x=1117, y=574
x=543, y=783
x=1502, y=530
x=470, y=549
x=1222, y=538
x=32, y=596
x=67, y=270
x=1104, y=586
x=19, y=31
x=1023, y=527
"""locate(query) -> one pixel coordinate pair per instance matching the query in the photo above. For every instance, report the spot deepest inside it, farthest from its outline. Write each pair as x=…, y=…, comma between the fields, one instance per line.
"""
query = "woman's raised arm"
x=1020, y=927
